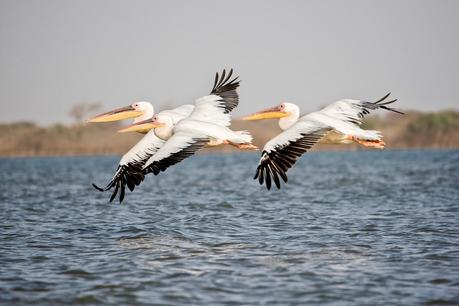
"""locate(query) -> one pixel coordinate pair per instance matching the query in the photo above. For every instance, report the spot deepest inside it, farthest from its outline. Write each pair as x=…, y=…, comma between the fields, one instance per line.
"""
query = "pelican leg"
x=240, y=146
x=377, y=144
x=215, y=142
x=334, y=137
x=248, y=147
x=243, y=146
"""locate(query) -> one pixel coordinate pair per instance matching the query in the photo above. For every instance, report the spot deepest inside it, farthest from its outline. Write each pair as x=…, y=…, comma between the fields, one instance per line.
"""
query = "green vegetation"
x=434, y=123
x=441, y=129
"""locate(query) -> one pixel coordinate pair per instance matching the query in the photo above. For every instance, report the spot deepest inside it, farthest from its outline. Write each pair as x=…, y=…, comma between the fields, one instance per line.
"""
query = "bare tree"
x=82, y=110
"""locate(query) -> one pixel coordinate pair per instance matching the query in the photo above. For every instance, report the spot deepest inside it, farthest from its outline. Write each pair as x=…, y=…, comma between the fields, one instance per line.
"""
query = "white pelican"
x=207, y=121
x=206, y=125
x=142, y=111
x=301, y=133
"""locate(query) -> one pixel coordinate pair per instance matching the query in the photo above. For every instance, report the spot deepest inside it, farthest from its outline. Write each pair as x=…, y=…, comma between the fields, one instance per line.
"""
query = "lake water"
x=350, y=228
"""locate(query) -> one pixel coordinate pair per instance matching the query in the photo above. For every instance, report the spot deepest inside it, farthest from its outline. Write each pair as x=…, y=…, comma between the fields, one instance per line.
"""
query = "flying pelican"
x=206, y=125
x=301, y=133
x=208, y=121
x=142, y=111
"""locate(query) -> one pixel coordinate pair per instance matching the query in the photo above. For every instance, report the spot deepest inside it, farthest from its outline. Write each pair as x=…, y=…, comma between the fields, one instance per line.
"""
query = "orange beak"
x=141, y=127
x=117, y=114
x=270, y=113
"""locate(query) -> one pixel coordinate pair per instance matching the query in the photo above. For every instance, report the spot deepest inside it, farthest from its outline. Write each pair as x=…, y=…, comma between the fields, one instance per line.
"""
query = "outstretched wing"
x=281, y=153
x=215, y=108
x=353, y=111
x=226, y=90
x=130, y=168
x=178, y=113
x=180, y=146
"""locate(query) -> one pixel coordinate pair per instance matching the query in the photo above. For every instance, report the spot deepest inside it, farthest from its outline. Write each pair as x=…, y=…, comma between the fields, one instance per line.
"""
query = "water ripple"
x=350, y=228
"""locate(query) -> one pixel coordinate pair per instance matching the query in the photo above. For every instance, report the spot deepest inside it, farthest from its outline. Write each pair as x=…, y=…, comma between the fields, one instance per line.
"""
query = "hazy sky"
x=55, y=54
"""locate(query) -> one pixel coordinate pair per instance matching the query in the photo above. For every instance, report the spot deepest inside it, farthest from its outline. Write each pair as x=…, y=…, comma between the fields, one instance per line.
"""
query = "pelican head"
x=139, y=110
x=282, y=110
x=287, y=113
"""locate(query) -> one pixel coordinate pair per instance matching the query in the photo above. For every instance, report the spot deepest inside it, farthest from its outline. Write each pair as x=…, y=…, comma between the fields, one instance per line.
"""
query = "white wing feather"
x=295, y=132
x=180, y=146
x=208, y=109
x=178, y=113
x=147, y=146
x=354, y=111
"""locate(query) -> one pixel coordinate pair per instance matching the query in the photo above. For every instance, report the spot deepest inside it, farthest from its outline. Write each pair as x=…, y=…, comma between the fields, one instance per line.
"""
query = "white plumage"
x=179, y=133
x=301, y=133
x=208, y=122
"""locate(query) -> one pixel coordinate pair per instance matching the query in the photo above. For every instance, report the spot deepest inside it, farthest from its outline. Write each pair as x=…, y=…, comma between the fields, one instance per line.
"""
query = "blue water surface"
x=350, y=228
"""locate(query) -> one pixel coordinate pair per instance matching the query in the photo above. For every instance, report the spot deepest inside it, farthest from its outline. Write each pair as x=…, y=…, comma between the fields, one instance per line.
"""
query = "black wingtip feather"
x=275, y=178
x=161, y=165
x=383, y=98
x=122, y=192
x=225, y=87
x=276, y=162
x=129, y=175
x=388, y=102
x=216, y=80
x=392, y=110
x=222, y=78
x=227, y=77
x=367, y=106
x=268, y=178
x=97, y=187
x=115, y=191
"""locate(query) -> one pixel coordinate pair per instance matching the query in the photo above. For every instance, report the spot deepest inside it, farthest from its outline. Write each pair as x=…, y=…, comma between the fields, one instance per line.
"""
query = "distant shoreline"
x=234, y=152
x=415, y=130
